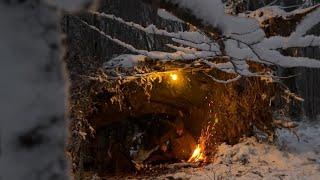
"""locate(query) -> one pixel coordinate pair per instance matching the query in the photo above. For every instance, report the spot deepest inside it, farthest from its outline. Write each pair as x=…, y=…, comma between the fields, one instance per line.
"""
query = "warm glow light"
x=174, y=77
x=197, y=155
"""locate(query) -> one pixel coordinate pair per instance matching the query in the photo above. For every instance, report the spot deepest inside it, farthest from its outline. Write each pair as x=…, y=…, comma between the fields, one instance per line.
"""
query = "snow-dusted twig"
x=194, y=37
x=223, y=81
x=241, y=40
x=157, y=55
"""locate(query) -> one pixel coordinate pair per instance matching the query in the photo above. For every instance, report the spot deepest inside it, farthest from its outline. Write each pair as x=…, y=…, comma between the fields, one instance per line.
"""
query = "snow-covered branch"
x=223, y=81
x=298, y=38
x=155, y=55
x=196, y=38
x=240, y=39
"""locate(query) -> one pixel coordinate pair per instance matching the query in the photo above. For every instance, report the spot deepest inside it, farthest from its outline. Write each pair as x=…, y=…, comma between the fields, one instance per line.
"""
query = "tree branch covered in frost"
x=298, y=38
x=193, y=39
x=239, y=39
x=157, y=55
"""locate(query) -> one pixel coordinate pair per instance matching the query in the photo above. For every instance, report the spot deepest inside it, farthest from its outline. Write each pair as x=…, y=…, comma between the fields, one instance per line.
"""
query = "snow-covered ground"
x=289, y=159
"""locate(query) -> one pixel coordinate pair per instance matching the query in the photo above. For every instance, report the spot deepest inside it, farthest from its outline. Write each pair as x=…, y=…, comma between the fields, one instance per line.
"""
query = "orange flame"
x=197, y=154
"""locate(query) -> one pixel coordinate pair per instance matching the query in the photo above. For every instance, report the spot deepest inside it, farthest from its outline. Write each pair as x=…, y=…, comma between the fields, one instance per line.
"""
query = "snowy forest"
x=160, y=89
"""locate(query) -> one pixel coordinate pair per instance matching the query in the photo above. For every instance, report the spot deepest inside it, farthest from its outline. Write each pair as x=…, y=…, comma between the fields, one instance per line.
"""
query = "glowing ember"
x=197, y=155
x=174, y=77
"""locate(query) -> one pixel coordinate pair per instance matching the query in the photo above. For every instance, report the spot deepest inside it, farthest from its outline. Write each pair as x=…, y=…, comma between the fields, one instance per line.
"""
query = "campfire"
x=197, y=155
